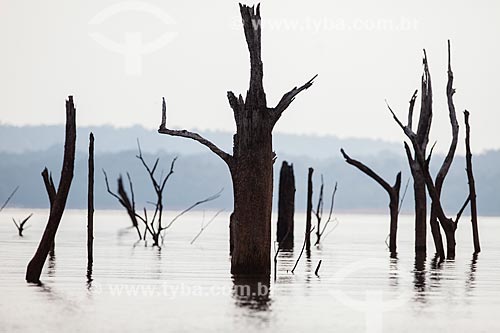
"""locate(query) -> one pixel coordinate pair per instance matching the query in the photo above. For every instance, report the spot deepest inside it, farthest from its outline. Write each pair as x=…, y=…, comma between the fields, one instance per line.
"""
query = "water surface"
x=188, y=287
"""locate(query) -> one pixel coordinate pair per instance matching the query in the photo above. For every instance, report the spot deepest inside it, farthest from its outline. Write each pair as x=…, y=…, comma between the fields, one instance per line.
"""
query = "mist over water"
x=187, y=287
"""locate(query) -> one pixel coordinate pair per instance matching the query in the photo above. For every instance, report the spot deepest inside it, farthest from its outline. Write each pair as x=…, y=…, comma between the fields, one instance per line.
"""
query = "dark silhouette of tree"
x=90, y=208
x=309, y=204
x=392, y=191
x=472, y=186
x=286, y=207
x=20, y=225
x=251, y=164
x=319, y=212
x=35, y=266
x=419, y=157
x=152, y=225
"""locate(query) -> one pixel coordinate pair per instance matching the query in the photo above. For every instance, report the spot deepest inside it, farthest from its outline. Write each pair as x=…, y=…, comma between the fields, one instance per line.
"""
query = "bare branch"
x=49, y=185
x=193, y=136
x=206, y=226
x=460, y=212
x=210, y=198
x=288, y=98
x=369, y=172
x=25, y=220
x=404, y=195
x=410, y=110
x=169, y=173
x=308, y=232
x=8, y=199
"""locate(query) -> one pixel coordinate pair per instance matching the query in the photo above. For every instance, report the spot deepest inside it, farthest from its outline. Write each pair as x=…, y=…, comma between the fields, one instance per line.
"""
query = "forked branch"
x=193, y=136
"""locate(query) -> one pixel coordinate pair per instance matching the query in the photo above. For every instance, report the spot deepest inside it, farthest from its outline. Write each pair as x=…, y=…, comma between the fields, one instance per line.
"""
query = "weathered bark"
x=472, y=186
x=309, y=208
x=251, y=164
x=35, y=266
x=90, y=207
x=392, y=191
x=286, y=207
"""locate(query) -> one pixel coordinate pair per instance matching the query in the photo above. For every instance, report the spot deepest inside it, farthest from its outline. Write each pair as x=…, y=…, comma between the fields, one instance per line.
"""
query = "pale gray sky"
x=363, y=51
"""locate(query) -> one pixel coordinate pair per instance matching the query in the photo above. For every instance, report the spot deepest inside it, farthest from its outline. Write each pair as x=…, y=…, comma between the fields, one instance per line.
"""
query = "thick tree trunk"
x=286, y=207
x=420, y=195
x=35, y=266
x=309, y=208
x=90, y=207
x=251, y=164
x=253, y=192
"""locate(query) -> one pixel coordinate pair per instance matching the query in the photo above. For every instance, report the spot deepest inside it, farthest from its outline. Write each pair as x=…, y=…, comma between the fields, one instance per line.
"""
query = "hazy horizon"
x=364, y=53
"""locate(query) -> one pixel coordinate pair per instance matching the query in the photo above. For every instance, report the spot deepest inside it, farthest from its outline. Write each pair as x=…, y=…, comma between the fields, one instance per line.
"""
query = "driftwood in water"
x=392, y=191
x=472, y=186
x=286, y=207
x=90, y=207
x=35, y=266
x=251, y=164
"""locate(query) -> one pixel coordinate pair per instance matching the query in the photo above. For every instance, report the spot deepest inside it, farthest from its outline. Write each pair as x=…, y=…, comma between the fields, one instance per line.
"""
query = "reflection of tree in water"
x=252, y=292
x=393, y=271
x=419, y=282
x=51, y=268
x=470, y=282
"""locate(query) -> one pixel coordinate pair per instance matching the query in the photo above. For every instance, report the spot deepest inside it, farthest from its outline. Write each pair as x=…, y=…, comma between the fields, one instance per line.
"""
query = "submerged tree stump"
x=35, y=266
x=392, y=191
x=286, y=207
x=90, y=207
x=472, y=186
x=251, y=164
x=309, y=209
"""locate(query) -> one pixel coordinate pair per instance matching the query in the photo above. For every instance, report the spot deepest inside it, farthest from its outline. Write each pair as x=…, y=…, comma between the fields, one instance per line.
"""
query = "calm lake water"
x=186, y=287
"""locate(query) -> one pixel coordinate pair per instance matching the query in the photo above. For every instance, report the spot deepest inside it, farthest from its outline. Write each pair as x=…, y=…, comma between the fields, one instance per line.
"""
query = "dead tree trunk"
x=422, y=162
x=472, y=186
x=445, y=167
x=393, y=192
x=309, y=209
x=51, y=193
x=286, y=207
x=90, y=207
x=251, y=164
x=35, y=266
x=421, y=138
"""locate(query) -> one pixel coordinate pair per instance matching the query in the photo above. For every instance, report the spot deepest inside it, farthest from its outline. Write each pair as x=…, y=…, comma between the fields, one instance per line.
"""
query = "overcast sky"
x=194, y=51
